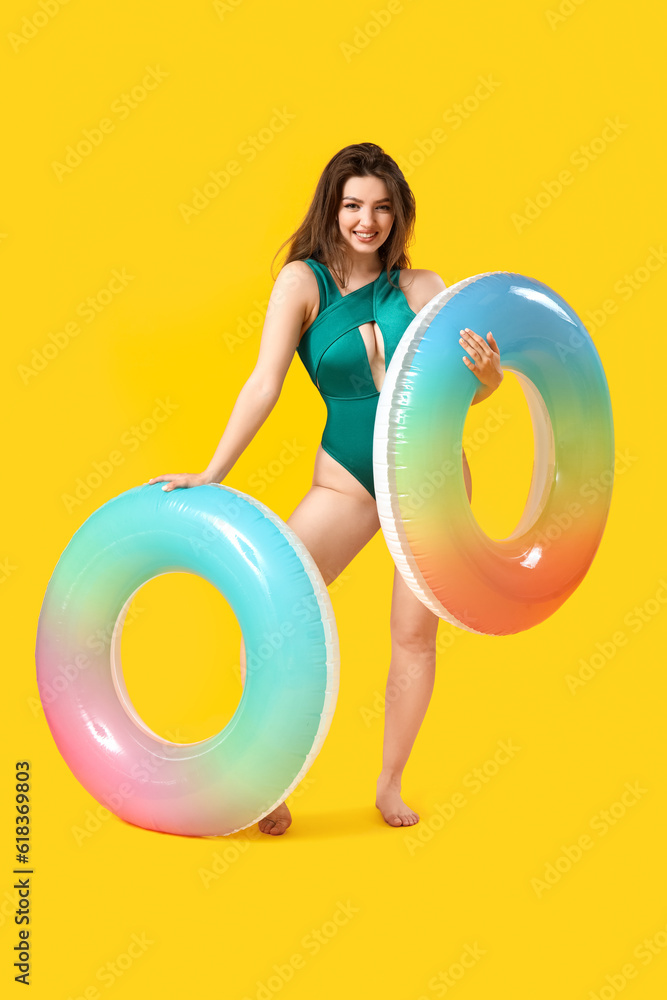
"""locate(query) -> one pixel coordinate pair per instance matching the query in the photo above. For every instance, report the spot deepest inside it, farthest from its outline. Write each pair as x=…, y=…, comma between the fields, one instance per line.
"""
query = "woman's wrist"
x=211, y=476
x=483, y=392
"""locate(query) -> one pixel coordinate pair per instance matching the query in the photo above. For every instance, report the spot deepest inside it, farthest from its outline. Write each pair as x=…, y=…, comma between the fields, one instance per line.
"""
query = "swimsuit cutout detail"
x=333, y=352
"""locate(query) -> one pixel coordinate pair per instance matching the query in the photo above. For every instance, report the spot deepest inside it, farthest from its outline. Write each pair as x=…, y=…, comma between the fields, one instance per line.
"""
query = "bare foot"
x=394, y=810
x=276, y=822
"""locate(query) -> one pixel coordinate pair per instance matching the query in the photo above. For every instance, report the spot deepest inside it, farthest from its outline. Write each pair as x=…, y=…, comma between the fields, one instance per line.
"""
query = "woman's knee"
x=413, y=626
x=415, y=637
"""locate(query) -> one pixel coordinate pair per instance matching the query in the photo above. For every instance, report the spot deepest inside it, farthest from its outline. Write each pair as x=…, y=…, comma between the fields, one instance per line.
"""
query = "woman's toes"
x=393, y=808
x=276, y=822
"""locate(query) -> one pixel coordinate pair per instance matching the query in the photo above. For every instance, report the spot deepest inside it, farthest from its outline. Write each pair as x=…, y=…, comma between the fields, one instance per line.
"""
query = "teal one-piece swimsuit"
x=334, y=355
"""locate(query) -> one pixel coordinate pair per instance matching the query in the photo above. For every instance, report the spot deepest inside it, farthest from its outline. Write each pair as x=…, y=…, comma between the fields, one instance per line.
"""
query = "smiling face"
x=366, y=214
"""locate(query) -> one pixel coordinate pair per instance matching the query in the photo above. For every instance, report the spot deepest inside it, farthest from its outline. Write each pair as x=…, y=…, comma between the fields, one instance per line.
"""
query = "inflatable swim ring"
x=229, y=781
x=494, y=586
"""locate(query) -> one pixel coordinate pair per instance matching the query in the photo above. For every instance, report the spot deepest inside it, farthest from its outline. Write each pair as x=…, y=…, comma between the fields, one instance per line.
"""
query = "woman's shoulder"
x=420, y=285
x=296, y=275
x=296, y=267
x=296, y=289
x=419, y=277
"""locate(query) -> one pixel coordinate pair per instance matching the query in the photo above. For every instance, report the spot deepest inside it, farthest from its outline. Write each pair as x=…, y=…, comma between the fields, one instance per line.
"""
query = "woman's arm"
x=285, y=316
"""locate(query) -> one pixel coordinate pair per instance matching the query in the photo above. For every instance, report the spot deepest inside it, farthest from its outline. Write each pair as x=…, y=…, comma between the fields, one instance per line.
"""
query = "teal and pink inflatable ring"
x=494, y=586
x=227, y=782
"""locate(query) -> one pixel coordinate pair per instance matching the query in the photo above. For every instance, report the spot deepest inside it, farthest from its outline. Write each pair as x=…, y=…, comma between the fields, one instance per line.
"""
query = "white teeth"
x=364, y=236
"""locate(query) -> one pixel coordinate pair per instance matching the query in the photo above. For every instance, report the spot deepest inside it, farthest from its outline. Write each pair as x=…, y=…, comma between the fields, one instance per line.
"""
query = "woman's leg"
x=409, y=687
x=334, y=525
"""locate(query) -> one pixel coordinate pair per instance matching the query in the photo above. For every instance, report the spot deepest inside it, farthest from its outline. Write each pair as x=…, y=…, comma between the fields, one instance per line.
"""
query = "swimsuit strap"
x=325, y=283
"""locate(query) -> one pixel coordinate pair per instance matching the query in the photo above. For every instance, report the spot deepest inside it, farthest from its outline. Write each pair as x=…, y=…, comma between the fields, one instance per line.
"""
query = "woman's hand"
x=182, y=480
x=485, y=363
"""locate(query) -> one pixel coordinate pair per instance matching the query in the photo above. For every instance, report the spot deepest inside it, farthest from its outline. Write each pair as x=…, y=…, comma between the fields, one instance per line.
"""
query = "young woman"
x=342, y=300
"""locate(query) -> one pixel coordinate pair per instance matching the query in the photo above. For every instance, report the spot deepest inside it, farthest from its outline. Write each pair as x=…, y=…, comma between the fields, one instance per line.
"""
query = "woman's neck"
x=362, y=268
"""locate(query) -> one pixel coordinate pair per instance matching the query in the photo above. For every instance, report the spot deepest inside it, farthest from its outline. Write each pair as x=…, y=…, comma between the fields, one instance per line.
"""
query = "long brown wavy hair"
x=319, y=236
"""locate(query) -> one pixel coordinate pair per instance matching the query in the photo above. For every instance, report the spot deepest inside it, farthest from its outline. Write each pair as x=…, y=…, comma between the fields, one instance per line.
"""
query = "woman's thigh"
x=335, y=519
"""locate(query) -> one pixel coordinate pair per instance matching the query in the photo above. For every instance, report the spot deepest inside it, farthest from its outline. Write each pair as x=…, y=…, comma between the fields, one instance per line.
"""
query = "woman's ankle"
x=390, y=779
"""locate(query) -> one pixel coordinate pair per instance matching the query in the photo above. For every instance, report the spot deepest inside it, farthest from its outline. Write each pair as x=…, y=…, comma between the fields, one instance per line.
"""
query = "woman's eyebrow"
x=350, y=197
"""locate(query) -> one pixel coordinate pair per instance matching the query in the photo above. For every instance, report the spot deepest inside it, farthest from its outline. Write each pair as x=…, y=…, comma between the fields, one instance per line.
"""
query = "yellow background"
x=168, y=335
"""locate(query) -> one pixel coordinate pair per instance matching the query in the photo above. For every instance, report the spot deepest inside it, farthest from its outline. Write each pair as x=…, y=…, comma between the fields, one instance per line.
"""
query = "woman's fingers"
x=474, y=343
x=469, y=348
x=486, y=357
x=177, y=480
x=169, y=480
